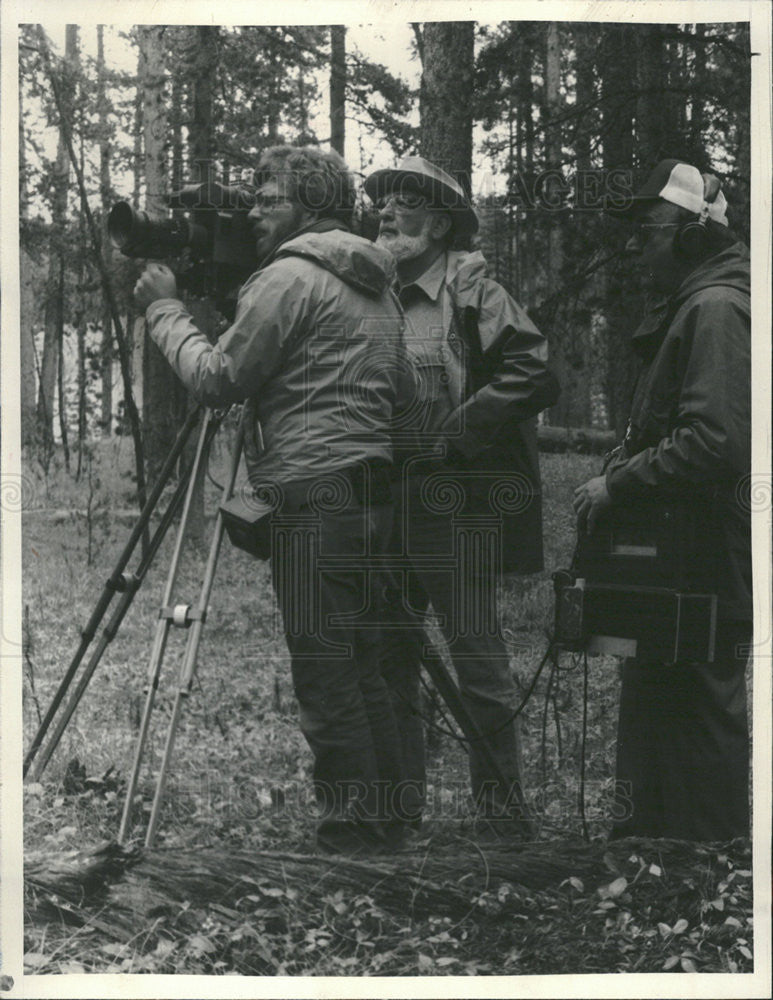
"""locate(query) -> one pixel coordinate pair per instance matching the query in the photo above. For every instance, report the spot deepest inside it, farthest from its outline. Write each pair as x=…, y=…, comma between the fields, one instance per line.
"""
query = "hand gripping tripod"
x=190, y=617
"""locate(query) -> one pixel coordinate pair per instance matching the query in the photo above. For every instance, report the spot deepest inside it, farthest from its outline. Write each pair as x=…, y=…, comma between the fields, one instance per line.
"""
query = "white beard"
x=404, y=247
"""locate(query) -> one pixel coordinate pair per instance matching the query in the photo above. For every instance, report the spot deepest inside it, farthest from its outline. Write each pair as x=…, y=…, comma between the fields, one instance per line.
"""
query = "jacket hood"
x=358, y=262
x=730, y=268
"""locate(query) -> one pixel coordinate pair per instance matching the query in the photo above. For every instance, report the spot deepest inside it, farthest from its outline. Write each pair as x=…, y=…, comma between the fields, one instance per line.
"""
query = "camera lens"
x=138, y=234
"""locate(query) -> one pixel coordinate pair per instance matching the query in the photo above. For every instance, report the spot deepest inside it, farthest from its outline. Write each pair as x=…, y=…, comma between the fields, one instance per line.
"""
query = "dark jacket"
x=502, y=358
x=690, y=431
x=315, y=351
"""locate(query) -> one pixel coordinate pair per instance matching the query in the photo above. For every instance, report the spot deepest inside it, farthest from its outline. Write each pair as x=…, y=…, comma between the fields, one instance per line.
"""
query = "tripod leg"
x=188, y=666
x=124, y=604
x=450, y=694
x=114, y=584
x=162, y=628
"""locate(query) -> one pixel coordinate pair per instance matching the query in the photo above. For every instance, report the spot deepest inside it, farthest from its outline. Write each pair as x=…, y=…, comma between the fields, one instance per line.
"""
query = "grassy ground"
x=240, y=775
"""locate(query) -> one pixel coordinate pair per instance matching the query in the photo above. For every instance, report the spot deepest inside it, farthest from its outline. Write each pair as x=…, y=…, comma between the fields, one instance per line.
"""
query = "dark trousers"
x=440, y=568
x=683, y=746
x=330, y=595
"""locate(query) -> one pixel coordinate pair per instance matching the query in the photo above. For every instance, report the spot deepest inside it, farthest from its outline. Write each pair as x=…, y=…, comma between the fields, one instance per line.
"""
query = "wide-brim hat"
x=678, y=183
x=415, y=174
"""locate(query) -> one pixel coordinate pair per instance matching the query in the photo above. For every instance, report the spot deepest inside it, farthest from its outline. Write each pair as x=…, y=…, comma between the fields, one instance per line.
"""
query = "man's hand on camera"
x=590, y=500
x=157, y=281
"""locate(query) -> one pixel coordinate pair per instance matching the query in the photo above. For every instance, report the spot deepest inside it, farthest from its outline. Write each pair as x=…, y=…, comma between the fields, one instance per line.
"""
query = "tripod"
x=191, y=618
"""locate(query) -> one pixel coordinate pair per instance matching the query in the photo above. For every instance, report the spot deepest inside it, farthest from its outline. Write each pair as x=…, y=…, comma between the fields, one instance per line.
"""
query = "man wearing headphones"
x=682, y=752
x=318, y=420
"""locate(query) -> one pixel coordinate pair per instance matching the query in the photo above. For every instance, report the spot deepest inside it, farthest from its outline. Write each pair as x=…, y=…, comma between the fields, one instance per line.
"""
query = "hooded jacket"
x=314, y=349
x=690, y=430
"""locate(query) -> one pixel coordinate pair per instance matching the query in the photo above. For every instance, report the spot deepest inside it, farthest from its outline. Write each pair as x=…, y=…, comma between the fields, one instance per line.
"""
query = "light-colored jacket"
x=315, y=350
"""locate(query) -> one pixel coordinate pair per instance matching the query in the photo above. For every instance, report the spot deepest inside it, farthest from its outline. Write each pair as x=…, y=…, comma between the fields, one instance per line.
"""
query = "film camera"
x=642, y=585
x=207, y=231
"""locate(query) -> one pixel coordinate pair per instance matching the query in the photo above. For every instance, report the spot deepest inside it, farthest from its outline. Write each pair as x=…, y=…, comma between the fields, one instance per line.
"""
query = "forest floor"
x=233, y=885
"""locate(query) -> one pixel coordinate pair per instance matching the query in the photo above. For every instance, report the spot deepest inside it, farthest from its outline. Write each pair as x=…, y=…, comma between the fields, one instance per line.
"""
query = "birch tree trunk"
x=106, y=349
x=54, y=322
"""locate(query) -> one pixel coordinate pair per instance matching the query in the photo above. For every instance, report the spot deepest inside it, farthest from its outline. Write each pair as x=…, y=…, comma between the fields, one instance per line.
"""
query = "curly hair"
x=318, y=180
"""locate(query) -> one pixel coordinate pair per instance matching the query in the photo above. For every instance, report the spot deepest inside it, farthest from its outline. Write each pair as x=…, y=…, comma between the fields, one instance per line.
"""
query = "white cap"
x=685, y=187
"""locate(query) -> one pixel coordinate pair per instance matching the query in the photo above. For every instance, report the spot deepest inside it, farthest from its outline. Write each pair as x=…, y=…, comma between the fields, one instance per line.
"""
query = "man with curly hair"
x=314, y=351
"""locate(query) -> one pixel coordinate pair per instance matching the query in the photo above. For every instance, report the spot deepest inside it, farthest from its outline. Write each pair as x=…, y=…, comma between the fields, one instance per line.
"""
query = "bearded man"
x=470, y=498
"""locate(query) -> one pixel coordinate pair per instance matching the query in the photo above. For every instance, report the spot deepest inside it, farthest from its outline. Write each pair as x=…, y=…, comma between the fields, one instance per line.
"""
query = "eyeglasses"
x=407, y=202
x=269, y=202
x=640, y=229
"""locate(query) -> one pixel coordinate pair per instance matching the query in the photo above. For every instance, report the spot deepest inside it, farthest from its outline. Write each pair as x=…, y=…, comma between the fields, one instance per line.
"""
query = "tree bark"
x=201, y=145
x=160, y=387
x=562, y=344
x=29, y=379
x=617, y=56
x=201, y=132
x=652, y=104
x=49, y=366
x=60, y=368
x=106, y=349
x=338, y=87
x=444, y=101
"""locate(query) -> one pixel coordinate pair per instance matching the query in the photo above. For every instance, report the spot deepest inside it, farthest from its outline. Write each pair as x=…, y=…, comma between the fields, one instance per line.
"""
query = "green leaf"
x=664, y=929
x=670, y=962
x=680, y=926
x=745, y=951
x=687, y=964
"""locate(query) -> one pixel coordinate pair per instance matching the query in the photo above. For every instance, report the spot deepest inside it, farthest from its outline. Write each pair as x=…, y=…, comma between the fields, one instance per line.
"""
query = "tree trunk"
x=79, y=318
x=595, y=293
x=176, y=133
x=652, y=102
x=337, y=87
x=60, y=371
x=201, y=139
x=561, y=341
x=526, y=163
x=29, y=380
x=55, y=289
x=201, y=132
x=617, y=56
x=159, y=394
x=29, y=310
x=106, y=350
x=444, y=102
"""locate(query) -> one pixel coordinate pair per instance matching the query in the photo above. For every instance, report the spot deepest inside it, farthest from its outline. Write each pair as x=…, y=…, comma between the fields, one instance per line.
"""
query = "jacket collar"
x=320, y=226
x=430, y=281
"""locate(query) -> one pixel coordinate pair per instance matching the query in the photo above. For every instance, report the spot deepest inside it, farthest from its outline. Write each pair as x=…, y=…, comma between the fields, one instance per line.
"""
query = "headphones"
x=690, y=240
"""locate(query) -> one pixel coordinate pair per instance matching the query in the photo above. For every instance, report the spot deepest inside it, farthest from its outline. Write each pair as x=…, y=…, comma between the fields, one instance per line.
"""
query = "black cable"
x=511, y=718
x=437, y=702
